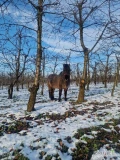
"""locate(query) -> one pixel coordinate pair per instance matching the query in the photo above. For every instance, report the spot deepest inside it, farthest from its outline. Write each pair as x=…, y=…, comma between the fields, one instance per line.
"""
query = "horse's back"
x=53, y=81
x=57, y=81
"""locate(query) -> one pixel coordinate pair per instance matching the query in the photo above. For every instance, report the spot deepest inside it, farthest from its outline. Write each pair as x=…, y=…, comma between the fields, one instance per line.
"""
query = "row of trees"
x=87, y=24
x=99, y=73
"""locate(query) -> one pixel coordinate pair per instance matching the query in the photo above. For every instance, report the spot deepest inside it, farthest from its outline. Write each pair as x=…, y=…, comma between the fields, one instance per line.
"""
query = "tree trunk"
x=78, y=75
x=10, y=91
x=43, y=75
x=88, y=75
x=2, y=86
x=95, y=74
x=22, y=85
x=34, y=89
x=81, y=91
x=81, y=20
x=118, y=68
x=22, y=81
x=106, y=72
x=28, y=84
x=17, y=86
x=114, y=84
x=83, y=80
x=42, y=87
x=33, y=92
x=105, y=77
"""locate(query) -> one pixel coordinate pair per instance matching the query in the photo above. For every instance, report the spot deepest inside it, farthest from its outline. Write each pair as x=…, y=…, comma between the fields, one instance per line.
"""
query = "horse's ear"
x=64, y=65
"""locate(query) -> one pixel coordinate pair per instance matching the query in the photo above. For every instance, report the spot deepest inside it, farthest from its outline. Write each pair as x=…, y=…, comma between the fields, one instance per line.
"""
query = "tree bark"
x=34, y=89
x=95, y=74
x=88, y=74
x=118, y=68
x=33, y=92
x=78, y=75
x=81, y=91
x=106, y=72
x=114, y=84
x=10, y=91
x=81, y=21
x=43, y=75
x=83, y=79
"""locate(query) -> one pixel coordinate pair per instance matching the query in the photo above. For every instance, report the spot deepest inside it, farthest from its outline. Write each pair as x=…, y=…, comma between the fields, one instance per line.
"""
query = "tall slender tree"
x=15, y=58
x=40, y=12
x=33, y=90
x=86, y=14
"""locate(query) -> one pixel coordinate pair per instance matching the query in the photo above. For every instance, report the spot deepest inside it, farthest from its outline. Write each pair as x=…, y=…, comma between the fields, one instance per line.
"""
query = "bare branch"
x=99, y=38
x=32, y=4
x=3, y=3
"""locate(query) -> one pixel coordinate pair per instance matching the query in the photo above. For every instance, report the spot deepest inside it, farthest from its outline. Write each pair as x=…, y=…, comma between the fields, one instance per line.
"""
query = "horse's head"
x=66, y=71
x=66, y=68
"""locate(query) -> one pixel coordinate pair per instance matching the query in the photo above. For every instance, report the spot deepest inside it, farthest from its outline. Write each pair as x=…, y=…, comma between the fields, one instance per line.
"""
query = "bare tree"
x=15, y=59
x=77, y=74
x=54, y=59
x=33, y=90
x=104, y=63
x=95, y=73
x=117, y=68
x=14, y=79
x=81, y=18
x=115, y=84
x=39, y=7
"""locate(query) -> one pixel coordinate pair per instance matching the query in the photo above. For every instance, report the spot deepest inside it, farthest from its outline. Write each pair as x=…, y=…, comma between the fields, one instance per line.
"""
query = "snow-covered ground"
x=49, y=131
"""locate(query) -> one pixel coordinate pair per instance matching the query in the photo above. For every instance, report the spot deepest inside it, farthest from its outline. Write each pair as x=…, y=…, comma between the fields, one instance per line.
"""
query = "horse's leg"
x=52, y=94
x=65, y=94
x=49, y=93
x=60, y=93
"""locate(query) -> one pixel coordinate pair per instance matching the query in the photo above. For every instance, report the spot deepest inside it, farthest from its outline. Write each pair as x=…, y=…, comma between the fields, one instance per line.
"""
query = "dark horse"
x=61, y=81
